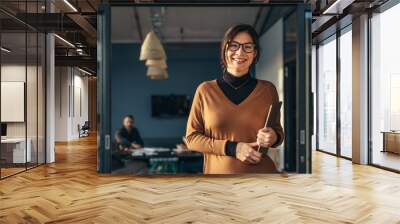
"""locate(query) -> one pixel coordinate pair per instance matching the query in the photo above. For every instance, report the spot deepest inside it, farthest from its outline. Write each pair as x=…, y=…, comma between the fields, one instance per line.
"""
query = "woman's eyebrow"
x=243, y=43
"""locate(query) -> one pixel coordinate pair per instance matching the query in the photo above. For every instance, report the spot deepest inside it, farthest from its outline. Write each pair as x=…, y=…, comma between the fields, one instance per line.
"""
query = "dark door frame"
x=300, y=152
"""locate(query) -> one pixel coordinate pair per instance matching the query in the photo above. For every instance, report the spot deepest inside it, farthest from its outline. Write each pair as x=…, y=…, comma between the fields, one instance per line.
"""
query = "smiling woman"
x=229, y=135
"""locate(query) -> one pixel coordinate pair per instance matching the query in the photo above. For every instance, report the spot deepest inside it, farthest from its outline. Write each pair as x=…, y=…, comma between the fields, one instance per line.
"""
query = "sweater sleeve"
x=277, y=124
x=195, y=135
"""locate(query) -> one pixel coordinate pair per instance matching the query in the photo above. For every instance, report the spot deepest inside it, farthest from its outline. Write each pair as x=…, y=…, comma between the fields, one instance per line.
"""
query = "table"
x=167, y=161
x=391, y=141
x=13, y=150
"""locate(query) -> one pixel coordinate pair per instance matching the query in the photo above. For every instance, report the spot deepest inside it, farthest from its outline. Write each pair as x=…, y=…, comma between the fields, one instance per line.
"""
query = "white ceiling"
x=200, y=24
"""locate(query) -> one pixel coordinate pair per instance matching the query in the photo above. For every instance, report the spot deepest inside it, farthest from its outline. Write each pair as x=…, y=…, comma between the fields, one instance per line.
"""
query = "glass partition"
x=22, y=91
x=14, y=153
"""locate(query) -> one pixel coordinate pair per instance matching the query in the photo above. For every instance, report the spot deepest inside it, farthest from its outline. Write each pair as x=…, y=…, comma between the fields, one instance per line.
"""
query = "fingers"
x=136, y=146
x=254, y=159
x=247, y=154
x=266, y=137
x=266, y=130
x=252, y=156
x=253, y=144
x=265, y=140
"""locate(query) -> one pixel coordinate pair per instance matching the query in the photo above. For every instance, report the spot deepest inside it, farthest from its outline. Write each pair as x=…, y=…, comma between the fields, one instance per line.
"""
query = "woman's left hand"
x=266, y=137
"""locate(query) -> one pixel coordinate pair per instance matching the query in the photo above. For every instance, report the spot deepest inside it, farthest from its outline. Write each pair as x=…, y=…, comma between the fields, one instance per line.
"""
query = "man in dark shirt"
x=128, y=137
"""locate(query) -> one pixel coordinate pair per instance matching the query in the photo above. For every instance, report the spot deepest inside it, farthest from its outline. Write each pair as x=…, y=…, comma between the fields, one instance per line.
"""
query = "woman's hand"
x=266, y=137
x=246, y=152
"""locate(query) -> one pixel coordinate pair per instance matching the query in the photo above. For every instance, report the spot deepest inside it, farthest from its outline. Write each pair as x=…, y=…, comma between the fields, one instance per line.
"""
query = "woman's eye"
x=249, y=47
x=234, y=46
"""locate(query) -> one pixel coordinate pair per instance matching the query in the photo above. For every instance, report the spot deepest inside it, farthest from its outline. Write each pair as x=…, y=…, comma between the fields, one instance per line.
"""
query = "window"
x=327, y=96
x=345, y=92
x=385, y=87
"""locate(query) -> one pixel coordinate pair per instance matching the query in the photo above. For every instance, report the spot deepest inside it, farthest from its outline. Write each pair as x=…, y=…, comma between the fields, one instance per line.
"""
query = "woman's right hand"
x=247, y=153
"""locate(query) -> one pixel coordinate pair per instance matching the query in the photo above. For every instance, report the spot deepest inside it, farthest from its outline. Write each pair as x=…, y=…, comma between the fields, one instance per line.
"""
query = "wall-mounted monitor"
x=3, y=129
x=170, y=106
x=12, y=101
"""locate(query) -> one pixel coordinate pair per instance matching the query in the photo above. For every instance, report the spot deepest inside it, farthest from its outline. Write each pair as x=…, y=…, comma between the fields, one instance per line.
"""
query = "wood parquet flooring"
x=71, y=191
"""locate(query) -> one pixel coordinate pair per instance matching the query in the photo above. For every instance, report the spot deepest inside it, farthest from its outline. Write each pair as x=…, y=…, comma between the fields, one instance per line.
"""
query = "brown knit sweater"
x=214, y=119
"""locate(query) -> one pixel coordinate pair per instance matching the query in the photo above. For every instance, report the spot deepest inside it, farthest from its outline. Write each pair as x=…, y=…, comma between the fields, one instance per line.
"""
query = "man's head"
x=128, y=122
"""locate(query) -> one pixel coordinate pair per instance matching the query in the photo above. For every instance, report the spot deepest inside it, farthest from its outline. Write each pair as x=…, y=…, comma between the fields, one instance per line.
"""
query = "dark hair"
x=231, y=33
x=129, y=116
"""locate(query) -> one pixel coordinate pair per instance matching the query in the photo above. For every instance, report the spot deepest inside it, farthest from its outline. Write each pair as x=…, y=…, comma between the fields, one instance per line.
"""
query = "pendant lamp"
x=157, y=63
x=157, y=73
x=160, y=77
x=152, y=48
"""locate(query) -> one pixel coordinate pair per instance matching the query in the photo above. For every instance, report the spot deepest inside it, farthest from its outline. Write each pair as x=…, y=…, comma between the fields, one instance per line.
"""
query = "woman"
x=227, y=118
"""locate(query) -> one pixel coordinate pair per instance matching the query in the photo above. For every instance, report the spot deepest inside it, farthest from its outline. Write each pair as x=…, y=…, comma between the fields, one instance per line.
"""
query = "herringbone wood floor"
x=70, y=191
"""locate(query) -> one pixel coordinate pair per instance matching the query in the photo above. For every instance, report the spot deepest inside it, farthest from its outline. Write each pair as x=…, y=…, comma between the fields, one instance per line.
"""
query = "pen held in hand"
x=272, y=115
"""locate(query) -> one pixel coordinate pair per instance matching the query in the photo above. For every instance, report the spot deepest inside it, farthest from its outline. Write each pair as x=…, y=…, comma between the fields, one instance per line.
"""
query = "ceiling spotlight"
x=5, y=50
x=84, y=71
x=70, y=5
x=337, y=7
x=64, y=40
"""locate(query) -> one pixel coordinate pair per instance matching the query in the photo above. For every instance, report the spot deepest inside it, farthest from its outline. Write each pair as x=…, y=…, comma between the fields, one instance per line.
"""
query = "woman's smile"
x=239, y=60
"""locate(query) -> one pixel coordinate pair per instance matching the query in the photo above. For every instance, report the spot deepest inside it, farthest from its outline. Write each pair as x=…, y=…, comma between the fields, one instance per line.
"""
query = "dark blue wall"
x=188, y=66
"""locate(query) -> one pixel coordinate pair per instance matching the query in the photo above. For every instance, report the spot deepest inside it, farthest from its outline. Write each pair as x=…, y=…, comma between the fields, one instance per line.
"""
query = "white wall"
x=18, y=73
x=12, y=73
x=71, y=102
x=270, y=67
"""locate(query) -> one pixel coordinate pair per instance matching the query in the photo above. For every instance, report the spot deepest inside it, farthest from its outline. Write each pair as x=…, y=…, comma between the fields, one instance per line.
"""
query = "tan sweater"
x=214, y=119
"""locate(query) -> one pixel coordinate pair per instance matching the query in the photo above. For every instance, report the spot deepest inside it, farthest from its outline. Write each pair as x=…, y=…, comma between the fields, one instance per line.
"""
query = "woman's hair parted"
x=231, y=33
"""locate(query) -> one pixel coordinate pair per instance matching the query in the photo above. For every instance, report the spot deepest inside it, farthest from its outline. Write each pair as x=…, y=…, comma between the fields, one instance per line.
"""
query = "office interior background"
x=192, y=56
x=48, y=105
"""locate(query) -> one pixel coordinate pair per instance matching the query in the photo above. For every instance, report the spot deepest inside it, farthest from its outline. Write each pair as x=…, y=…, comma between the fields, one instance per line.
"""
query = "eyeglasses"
x=247, y=47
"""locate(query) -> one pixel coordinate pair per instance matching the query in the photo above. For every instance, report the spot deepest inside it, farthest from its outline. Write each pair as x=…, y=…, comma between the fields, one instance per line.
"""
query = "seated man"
x=127, y=139
x=128, y=136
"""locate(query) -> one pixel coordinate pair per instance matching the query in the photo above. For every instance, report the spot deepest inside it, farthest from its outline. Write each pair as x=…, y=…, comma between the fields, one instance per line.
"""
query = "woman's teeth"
x=239, y=60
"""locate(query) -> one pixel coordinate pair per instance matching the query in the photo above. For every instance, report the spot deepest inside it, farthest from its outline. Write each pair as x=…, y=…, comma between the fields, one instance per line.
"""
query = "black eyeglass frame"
x=241, y=46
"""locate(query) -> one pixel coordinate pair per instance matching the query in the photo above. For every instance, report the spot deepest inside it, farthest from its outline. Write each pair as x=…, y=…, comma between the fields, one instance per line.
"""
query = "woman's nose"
x=240, y=51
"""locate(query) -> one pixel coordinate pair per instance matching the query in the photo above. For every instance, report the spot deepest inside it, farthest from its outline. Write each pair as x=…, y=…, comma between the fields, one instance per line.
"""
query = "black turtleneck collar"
x=235, y=88
x=235, y=80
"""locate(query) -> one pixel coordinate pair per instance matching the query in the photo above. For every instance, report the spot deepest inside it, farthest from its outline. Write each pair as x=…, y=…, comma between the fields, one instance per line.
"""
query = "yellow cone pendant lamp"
x=152, y=48
x=157, y=63
x=157, y=73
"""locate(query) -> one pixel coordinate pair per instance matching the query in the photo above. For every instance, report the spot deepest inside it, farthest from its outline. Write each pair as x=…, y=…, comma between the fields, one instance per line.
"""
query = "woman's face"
x=239, y=59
